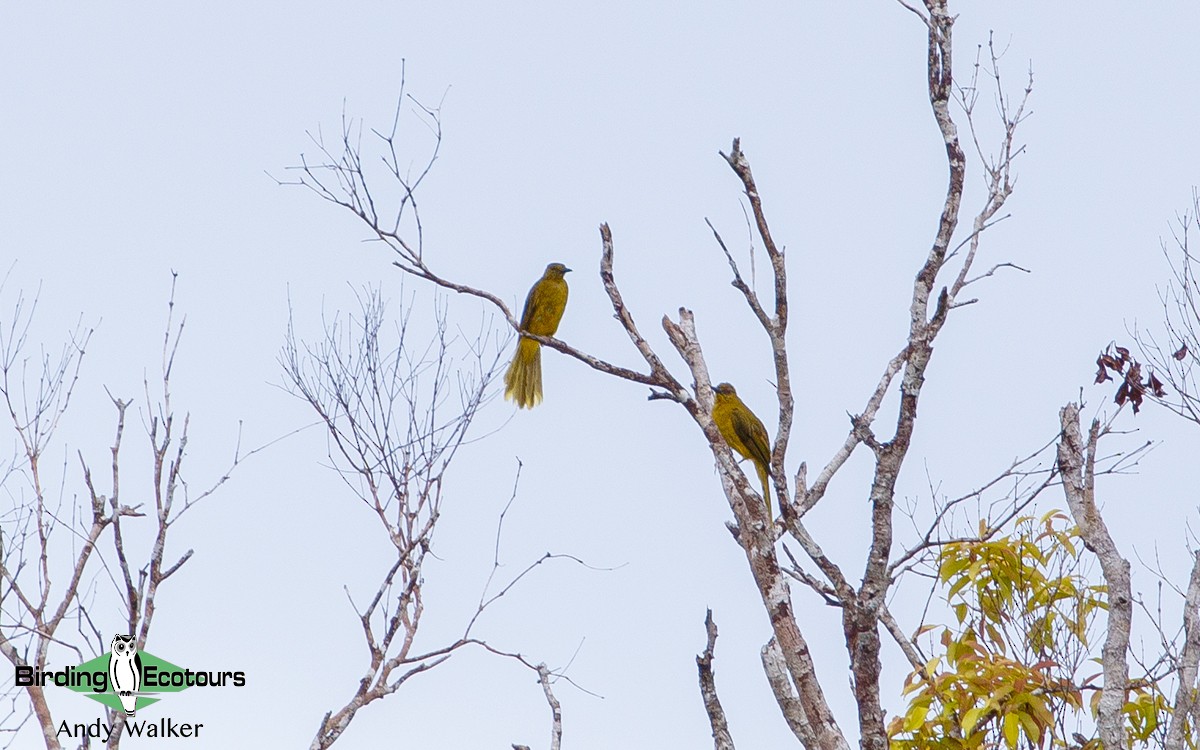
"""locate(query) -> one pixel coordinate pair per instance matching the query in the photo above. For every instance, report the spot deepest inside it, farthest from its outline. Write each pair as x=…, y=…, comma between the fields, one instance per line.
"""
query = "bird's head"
x=556, y=271
x=725, y=389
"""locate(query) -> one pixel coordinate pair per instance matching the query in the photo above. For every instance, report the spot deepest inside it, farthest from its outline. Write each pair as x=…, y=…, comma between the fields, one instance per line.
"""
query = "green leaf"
x=1012, y=731
x=958, y=586
x=932, y=665
x=951, y=565
x=971, y=718
x=1031, y=728
x=915, y=718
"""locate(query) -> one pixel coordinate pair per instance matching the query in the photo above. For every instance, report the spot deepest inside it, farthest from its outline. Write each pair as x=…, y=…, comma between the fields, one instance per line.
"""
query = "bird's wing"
x=530, y=304
x=753, y=435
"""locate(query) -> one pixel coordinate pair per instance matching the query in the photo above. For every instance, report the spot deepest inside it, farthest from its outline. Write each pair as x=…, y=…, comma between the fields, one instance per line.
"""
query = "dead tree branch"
x=1076, y=462
x=394, y=429
x=935, y=293
x=708, y=689
x=44, y=539
x=1185, y=706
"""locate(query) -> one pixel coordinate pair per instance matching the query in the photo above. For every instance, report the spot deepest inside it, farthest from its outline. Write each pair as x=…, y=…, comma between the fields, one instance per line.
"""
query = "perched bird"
x=543, y=309
x=744, y=432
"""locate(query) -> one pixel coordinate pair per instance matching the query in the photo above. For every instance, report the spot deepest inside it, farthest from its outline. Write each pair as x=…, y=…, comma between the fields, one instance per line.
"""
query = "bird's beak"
x=566, y=270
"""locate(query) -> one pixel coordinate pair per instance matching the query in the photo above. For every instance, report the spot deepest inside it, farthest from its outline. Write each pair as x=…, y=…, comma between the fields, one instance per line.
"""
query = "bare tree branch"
x=708, y=689
x=863, y=605
x=555, y=709
x=34, y=605
x=384, y=405
x=1185, y=704
x=775, y=667
x=1076, y=462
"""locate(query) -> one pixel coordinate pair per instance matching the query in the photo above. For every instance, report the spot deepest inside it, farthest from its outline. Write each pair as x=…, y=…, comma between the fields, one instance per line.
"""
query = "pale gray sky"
x=137, y=141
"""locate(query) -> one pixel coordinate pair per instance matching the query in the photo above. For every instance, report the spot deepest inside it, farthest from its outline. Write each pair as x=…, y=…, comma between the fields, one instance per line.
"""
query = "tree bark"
x=1077, y=464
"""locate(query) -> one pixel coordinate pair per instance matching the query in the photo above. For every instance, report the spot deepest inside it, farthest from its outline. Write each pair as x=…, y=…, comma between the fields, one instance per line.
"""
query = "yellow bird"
x=745, y=434
x=543, y=310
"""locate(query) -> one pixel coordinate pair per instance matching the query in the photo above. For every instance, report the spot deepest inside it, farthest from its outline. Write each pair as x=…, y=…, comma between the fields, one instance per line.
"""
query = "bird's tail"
x=523, y=381
x=762, y=475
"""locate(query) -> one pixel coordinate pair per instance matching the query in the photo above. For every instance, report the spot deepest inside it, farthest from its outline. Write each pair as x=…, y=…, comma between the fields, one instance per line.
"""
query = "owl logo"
x=125, y=671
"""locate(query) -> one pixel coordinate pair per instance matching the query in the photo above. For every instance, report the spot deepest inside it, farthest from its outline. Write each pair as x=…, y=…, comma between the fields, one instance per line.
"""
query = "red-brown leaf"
x=1156, y=386
x=1136, y=390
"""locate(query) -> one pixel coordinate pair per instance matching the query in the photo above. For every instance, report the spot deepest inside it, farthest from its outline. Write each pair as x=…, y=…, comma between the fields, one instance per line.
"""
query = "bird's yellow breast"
x=545, y=305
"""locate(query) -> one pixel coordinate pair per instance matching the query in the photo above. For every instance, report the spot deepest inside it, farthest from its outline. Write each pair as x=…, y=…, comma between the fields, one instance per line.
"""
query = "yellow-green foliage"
x=1013, y=672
